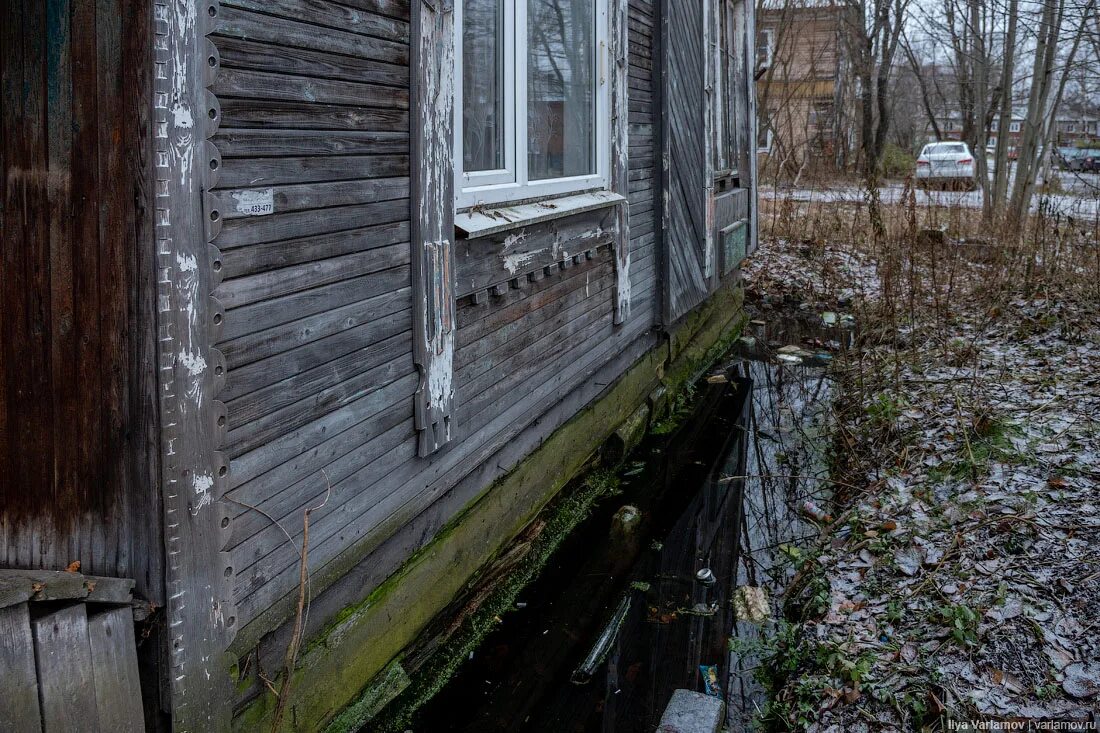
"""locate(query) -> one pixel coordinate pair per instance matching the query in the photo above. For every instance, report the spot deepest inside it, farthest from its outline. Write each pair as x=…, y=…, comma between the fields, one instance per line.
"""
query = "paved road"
x=1081, y=198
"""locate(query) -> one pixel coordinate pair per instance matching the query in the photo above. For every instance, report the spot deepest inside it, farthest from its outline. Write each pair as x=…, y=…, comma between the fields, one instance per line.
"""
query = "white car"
x=946, y=163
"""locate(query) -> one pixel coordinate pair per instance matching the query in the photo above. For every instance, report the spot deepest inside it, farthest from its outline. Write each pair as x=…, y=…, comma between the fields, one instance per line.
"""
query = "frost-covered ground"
x=960, y=578
x=1080, y=197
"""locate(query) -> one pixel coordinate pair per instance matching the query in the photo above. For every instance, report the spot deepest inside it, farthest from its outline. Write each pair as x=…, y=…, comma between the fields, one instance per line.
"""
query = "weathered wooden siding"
x=314, y=109
x=313, y=196
x=643, y=93
x=686, y=148
x=78, y=412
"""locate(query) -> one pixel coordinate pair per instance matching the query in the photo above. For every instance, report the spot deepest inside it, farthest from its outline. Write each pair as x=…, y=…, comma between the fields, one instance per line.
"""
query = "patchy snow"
x=1082, y=199
x=961, y=576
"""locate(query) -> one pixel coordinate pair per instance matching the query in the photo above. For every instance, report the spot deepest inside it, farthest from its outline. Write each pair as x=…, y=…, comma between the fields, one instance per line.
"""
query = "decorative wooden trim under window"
x=432, y=214
x=191, y=372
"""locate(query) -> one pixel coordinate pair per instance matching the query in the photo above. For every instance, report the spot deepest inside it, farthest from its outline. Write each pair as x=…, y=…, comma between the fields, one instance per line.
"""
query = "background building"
x=805, y=88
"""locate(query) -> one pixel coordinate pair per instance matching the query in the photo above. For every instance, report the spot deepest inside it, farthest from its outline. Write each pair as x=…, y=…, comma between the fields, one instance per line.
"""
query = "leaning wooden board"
x=114, y=665
x=19, y=701
x=64, y=664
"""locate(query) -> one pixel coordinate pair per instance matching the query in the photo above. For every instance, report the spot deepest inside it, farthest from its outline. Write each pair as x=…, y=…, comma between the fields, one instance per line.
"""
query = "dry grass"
x=966, y=423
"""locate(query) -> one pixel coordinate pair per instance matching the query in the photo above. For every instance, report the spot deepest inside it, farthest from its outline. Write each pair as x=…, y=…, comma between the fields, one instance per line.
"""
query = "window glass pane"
x=482, y=85
x=561, y=88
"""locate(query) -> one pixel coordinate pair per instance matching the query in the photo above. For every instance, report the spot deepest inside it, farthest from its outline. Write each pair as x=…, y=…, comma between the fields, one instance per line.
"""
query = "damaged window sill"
x=481, y=222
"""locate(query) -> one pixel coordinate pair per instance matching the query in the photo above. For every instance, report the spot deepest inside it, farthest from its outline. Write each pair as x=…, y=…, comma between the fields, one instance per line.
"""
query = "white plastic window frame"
x=512, y=183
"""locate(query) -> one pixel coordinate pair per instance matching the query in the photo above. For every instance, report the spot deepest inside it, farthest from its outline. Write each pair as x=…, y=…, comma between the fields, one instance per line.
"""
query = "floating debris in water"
x=750, y=603
x=710, y=680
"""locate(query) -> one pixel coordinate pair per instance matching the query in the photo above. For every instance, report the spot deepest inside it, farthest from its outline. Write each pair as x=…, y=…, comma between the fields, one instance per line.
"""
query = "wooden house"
x=807, y=85
x=397, y=267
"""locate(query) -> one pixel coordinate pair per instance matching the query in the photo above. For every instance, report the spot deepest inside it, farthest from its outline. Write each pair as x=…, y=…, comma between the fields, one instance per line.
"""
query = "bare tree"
x=1051, y=69
x=998, y=192
x=877, y=27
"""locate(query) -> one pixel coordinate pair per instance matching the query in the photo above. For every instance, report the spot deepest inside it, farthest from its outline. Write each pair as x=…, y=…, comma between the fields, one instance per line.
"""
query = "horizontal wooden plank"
x=479, y=395
x=272, y=114
x=304, y=342
x=374, y=513
x=257, y=229
x=253, y=26
x=256, y=172
x=340, y=495
x=386, y=320
x=475, y=320
x=20, y=586
x=486, y=355
x=301, y=441
x=254, y=143
x=350, y=455
x=286, y=485
x=482, y=262
x=240, y=53
x=262, y=85
x=331, y=15
x=239, y=203
x=366, y=507
x=245, y=438
x=268, y=314
x=299, y=387
x=419, y=519
x=275, y=255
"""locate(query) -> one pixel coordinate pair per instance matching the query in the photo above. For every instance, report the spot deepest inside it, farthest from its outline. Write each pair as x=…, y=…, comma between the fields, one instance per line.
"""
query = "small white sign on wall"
x=255, y=203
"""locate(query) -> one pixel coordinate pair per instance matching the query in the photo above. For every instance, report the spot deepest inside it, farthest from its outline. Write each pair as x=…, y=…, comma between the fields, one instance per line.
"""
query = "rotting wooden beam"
x=432, y=211
x=194, y=473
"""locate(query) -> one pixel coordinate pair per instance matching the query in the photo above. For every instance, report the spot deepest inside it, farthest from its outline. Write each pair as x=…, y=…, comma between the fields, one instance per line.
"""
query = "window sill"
x=483, y=221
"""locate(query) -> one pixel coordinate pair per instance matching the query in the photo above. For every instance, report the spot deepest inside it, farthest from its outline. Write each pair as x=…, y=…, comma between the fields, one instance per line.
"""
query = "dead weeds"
x=960, y=580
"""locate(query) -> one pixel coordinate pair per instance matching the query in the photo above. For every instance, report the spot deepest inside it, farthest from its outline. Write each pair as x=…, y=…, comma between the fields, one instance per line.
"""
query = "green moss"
x=332, y=681
x=565, y=515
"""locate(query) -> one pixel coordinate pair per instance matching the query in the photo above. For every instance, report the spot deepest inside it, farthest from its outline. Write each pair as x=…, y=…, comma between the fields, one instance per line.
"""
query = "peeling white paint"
x=187, y=262
x=518, y=261
x=182, y=117
x=193, y=363
x=202, y=485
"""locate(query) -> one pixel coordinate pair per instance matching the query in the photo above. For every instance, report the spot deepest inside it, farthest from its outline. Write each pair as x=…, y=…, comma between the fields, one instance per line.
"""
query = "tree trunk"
x=1000, y=157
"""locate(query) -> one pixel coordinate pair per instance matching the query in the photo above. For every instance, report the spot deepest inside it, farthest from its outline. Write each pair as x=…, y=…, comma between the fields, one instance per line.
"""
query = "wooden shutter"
x=688, y=269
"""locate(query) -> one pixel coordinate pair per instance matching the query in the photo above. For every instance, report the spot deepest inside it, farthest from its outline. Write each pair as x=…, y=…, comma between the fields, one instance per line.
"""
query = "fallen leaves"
x=1082, y=681
x=967, y=571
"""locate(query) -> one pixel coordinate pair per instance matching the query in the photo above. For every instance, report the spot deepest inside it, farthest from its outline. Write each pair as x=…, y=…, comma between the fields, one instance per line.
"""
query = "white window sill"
x=485, y=220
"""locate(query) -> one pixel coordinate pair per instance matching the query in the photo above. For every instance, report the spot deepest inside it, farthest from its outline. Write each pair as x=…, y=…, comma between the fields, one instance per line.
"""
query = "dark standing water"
x=622, y=591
